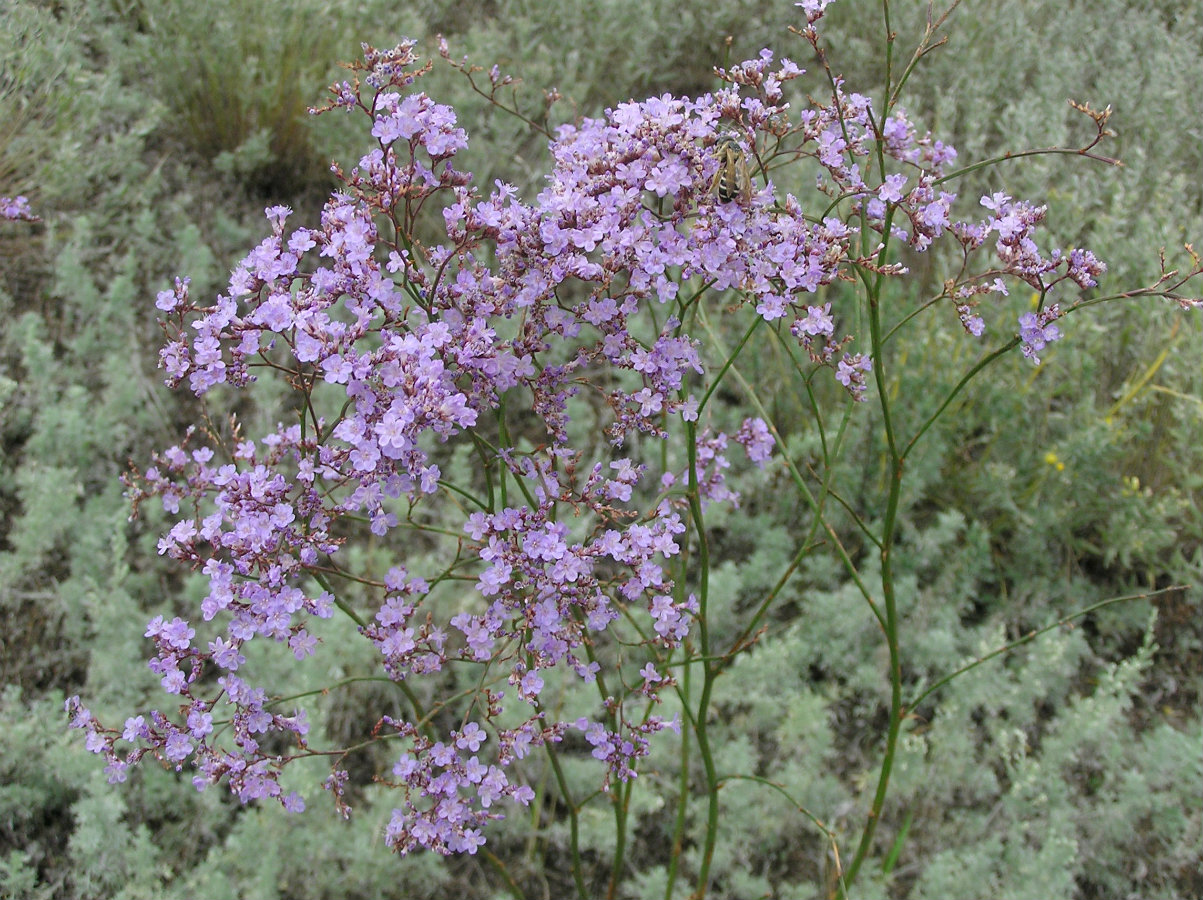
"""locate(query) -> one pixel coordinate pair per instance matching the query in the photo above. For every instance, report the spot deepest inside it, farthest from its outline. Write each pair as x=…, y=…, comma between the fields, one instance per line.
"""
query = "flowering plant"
x=567, y=345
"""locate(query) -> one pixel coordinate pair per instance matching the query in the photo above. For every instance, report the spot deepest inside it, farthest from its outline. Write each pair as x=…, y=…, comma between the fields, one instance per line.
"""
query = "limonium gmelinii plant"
x=575, y=547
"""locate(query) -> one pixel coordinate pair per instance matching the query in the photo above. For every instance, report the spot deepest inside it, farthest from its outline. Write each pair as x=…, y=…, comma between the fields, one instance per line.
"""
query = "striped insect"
x=732, y=180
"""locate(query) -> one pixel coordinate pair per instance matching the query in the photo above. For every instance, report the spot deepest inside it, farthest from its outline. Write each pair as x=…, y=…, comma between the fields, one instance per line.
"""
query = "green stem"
x=815, y=820
x=1043, y=151
x=889, y=600
x=1032, y=635
x=620, y=800
x=926, y=46
x=730, y=361
x=682, y=788
x=338, y=601
x=800, y=485
x=574, y=825
x=960, y=386
x=709, y=671
x=499, y=867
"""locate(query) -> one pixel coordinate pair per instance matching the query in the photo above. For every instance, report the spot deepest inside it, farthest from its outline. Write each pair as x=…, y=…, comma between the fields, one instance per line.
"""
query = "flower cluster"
x=395, y=348
x=17, y=209
x=1037, y=331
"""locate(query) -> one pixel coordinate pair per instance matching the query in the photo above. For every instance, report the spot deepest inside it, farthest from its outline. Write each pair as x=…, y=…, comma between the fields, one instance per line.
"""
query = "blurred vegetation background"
x=149, y=137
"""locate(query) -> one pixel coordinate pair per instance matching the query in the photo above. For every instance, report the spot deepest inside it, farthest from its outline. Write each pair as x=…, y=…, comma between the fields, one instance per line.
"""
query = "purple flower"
x=17, y=209
x=756, y=440
x=1036, y=331
x=470, y=737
